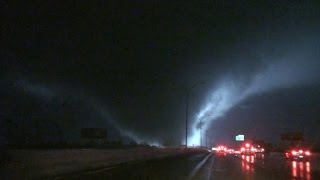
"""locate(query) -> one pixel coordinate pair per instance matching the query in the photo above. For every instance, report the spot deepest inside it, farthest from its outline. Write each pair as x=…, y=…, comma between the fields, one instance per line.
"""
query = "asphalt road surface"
x=209, y=166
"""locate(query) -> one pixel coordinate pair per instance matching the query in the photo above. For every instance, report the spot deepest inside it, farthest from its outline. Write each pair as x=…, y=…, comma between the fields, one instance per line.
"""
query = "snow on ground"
x=26, y=164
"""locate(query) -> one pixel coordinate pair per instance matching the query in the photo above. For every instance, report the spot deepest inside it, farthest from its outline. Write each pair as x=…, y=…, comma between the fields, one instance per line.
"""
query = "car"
x=298, y=154
x=248, y=149
x=259, y=149
x=230, y=151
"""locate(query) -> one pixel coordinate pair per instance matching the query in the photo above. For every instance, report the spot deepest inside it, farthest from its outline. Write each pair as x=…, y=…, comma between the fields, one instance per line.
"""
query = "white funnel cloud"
x=48, y=93
x=296, y=70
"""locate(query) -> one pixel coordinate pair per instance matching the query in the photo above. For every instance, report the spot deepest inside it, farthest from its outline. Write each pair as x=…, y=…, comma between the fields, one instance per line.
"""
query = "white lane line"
x=198, y=167
x=210, y=170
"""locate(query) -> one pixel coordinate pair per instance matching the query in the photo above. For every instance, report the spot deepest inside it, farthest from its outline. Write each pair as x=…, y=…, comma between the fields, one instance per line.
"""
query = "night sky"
x=251, y=67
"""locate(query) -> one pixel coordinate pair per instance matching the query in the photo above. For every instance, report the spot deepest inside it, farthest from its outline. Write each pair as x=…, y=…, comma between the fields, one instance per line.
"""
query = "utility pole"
x=207, y=139
x=187, y=107
x=200, y=127
x=200, y=133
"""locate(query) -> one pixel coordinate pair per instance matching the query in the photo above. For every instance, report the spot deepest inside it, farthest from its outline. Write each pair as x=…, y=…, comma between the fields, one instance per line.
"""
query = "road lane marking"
x=211, y=167
x=198, y=167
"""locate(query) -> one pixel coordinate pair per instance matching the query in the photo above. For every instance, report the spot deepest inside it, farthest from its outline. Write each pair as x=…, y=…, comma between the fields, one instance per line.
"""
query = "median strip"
x=198, y=167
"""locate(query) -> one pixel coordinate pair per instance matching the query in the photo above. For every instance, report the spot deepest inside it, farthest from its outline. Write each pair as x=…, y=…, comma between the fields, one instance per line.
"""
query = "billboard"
x=239, y=137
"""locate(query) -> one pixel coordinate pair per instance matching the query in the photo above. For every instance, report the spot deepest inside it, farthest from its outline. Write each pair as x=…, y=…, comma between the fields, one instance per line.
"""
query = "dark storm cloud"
x=130, y=65
x=296, y=66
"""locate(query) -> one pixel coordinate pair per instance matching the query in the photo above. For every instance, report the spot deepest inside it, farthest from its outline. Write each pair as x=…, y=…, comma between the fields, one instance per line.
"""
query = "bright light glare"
x=293, y=152
x=308, y=153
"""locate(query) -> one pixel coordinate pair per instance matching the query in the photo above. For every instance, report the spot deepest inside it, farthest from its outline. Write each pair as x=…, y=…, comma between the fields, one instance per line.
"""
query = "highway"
x=209, y=166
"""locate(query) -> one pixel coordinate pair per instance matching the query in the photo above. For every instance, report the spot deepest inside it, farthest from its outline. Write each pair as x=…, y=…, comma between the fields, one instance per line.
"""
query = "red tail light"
x=294, y=152
x=308, y=153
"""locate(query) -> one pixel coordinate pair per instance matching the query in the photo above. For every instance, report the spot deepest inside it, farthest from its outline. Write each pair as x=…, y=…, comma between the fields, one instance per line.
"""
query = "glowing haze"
x=295, y=70
x=51, y=93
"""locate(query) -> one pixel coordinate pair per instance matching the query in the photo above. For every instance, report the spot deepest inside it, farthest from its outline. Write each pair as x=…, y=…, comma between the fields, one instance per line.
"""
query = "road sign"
x=239, y=137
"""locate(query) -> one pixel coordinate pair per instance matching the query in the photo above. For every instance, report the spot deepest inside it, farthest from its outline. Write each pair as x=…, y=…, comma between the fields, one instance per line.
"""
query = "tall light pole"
x=206, y=139
x=187, y=107
x=200, y=133
x=200, y=127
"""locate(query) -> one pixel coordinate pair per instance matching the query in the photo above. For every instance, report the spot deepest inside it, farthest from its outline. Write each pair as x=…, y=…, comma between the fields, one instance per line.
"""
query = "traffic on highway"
x=221, y=163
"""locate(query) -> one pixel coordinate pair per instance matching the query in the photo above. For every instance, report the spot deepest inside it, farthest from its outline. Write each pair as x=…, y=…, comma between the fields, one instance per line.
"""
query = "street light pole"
x=187, y=108
x=207, y=139
x=200, y=127
x=200, y=133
